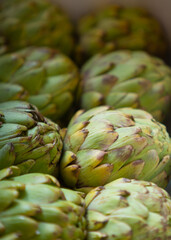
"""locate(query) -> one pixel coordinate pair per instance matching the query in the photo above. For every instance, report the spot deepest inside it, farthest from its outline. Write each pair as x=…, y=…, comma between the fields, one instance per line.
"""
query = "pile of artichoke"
x=84, y=153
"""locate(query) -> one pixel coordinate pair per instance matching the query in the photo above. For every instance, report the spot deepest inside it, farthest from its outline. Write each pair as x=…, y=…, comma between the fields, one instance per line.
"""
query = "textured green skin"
x=28, y=140
x=127, y=79
x=34, y=207
x=44, y=77
x=37, y=23
x=115, y=27
x=128, y=210
x=102, y=145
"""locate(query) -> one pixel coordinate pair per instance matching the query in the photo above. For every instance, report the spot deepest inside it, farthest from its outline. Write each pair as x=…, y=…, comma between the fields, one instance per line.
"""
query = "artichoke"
x=35, y=22
x=28, y=140
x=116, y=27
x=34, y=207
x=102, y=145
x=127, y=79
x=130, y=210
x=50, y=79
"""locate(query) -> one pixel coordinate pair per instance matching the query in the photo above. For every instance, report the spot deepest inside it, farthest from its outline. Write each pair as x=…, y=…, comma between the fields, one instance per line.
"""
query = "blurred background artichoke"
x=35, y=22
x=115, y=27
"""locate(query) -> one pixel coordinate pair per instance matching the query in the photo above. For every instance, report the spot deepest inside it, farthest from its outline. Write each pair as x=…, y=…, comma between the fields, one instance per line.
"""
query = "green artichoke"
x=127, y=79
x=129, y=210
x=50, y=78
x=35, y=22
x=102, y=145
x=34, y=207
x=116, y=27
x=28, y=140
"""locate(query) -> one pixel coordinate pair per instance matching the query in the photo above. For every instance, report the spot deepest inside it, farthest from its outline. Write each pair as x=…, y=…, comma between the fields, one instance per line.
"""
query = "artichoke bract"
x=127, y=79
x=34, y=207
x=102, y=145
x=116, y=27
x=9, y=92
x=28, y=140
x=128, y=209
x=35, y=22
x=50, y=78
